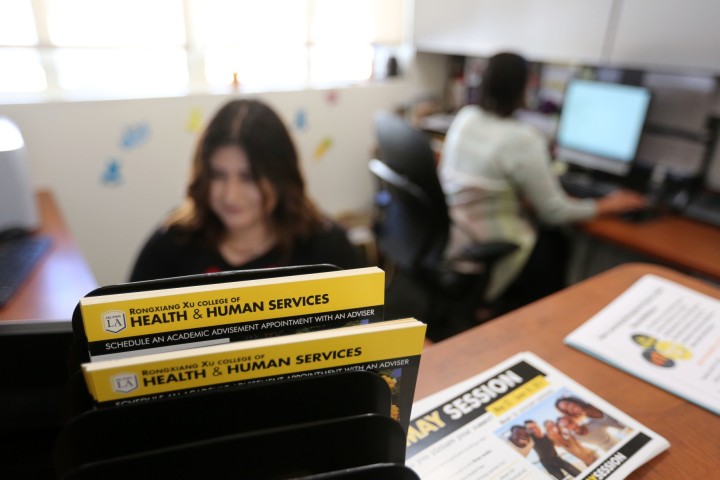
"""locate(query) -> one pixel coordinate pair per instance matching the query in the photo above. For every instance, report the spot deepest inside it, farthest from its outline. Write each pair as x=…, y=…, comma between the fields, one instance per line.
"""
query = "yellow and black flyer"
x=127, y=324
x=525, y=419
x=390, y=348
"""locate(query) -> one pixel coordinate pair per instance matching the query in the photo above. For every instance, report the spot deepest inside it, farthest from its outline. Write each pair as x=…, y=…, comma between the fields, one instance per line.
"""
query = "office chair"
x=412, y=227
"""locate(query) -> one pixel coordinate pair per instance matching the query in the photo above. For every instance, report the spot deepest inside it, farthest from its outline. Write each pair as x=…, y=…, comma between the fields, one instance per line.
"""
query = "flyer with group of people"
x=525, y=419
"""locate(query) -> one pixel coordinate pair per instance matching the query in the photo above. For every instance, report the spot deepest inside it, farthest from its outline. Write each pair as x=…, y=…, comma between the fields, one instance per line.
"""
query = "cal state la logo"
x=124, y=382
x=114, y=321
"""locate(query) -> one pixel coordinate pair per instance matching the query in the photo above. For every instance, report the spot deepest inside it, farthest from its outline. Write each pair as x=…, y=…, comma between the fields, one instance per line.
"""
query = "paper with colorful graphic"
x=662, y=332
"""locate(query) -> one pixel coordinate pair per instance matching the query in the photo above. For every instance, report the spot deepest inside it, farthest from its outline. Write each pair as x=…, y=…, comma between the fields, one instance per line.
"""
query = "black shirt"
x=544, y=447
x=168, y=254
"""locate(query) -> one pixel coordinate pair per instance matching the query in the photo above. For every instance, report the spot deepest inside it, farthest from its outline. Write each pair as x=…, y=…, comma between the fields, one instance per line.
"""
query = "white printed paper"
x=662, y=332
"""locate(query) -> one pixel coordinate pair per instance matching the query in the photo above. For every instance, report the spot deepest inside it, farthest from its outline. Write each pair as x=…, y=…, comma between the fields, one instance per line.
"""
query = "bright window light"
x=263, y=42
x=267, y=67
x=17, y=24
x=113, y=23
x=122, y=70
x=346, y=21
x=340, y=63
x=388, y=21
x=248, y=23
x=341, y=33
x=142, y=47
x=21, y=71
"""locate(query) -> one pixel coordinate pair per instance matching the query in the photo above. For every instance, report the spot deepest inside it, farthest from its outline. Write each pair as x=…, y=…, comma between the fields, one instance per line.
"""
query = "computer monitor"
x=600, y=125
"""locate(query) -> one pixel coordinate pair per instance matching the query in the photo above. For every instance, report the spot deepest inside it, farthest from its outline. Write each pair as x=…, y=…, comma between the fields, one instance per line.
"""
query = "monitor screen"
x=600, y=125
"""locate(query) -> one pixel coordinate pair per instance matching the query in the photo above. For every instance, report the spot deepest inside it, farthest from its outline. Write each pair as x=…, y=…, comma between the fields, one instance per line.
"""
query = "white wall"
x=71, y=145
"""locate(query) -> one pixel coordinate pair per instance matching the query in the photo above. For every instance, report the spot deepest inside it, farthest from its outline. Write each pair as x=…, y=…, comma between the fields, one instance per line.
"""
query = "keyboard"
x=705, y=207
x=18, y=257
x=584, y=186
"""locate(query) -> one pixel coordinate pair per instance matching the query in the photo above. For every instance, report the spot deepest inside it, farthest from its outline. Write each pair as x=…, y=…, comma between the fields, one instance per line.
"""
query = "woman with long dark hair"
x=246, y=205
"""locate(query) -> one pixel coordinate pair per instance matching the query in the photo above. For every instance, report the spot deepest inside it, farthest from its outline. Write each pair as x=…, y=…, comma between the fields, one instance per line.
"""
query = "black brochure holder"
x=279, y=453
x=152, y=425
x=378, y=471
x=333, y=426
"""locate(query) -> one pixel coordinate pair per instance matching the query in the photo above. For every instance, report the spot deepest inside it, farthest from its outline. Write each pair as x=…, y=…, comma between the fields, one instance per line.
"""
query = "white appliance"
x=18, y=208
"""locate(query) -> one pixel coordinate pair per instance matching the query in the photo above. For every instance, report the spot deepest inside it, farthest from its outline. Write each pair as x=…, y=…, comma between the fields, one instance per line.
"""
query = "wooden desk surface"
x=683, y=243
x=540, y=328
x=60, y=279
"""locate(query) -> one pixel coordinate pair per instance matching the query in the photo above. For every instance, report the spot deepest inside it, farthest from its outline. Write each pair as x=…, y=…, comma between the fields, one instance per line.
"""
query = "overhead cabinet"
x=657, y=34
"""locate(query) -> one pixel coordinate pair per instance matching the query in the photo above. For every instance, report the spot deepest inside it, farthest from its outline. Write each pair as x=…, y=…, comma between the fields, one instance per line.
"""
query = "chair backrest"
x=407, y=150
x=412, y=223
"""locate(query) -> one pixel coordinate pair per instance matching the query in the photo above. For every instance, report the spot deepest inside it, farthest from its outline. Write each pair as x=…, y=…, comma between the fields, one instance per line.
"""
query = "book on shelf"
x=163, y=319
x=661, y=332
x=523, y=418
x=391, y=348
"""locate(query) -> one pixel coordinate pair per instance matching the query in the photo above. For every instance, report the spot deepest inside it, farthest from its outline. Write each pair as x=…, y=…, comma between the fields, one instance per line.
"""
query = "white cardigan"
x=492, y=169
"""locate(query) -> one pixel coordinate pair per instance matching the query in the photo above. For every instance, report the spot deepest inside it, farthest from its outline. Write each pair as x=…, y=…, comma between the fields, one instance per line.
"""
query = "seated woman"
x=499, y=183
x=246, y=205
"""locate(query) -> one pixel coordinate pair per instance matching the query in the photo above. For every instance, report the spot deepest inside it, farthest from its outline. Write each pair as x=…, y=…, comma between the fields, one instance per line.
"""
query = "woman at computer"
x=497, y=176
x=246, y=206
